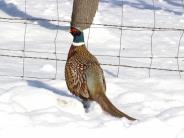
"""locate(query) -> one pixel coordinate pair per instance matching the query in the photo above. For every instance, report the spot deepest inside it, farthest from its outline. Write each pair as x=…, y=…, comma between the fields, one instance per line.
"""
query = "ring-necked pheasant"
x=85, y=78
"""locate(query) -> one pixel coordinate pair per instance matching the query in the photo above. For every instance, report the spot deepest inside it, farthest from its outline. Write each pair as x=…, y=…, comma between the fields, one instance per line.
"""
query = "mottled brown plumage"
x=85, y=79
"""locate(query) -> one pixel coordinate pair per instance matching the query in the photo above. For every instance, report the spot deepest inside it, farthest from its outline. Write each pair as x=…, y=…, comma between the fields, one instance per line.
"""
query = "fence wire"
x=27, y=20
x=121, y=34
x=55, y=41
x=24, y=46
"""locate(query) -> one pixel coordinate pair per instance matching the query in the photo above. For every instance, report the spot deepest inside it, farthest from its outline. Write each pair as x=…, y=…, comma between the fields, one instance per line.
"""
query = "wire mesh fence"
x=28, y=20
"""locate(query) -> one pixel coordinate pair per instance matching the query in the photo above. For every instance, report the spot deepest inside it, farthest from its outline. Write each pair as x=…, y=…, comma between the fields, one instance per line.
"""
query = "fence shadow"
x=148, y=5
x=12, y=10
x=110, y=73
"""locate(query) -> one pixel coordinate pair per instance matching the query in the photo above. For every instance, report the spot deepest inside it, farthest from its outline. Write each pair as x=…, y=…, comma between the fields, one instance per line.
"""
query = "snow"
x=48, y=68
x=45, y=108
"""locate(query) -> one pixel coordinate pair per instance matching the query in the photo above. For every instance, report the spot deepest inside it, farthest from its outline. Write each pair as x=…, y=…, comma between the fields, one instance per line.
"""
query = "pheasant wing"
x=76, y=78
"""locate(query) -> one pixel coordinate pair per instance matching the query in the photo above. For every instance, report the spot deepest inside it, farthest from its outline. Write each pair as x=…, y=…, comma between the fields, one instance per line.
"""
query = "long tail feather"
x=109, y=107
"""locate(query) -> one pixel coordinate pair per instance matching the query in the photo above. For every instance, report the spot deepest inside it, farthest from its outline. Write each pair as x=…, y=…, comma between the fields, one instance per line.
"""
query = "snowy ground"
x=45, y=108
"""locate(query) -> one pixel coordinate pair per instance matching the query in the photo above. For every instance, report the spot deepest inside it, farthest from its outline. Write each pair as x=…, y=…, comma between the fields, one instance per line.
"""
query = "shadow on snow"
x=148, y=5
x=12, y=10
x=42, y=85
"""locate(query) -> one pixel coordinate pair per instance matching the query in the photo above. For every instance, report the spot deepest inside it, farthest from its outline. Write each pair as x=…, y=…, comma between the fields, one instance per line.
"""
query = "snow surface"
x=45, y=108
